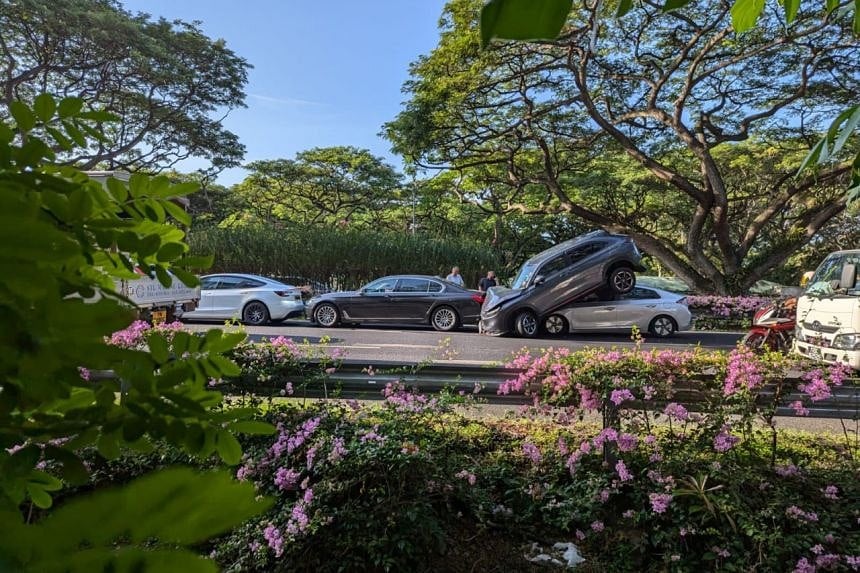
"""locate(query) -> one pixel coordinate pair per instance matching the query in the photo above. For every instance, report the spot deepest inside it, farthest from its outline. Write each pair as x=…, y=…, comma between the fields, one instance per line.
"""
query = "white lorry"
x=156, y=303
x=828, y=312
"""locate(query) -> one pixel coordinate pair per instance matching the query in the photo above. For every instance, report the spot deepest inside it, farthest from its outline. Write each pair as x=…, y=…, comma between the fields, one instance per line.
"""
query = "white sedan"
x=652, y=310
x=253, y=299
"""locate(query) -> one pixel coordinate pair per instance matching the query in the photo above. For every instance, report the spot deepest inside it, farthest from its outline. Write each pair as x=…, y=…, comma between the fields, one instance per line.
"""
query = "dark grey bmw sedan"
x=416, y=299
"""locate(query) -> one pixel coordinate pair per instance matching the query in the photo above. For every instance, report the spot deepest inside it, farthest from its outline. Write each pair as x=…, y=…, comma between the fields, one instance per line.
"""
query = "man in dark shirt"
x=487, y=282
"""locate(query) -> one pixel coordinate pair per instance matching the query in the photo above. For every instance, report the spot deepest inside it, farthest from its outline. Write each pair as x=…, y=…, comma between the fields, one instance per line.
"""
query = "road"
x=415, y=344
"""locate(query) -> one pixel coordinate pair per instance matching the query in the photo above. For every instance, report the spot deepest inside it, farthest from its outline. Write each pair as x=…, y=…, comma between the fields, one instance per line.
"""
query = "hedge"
x=339, y=258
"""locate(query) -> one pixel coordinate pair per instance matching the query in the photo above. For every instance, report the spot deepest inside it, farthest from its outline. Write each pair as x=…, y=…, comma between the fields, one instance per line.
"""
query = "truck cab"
x=828, y=312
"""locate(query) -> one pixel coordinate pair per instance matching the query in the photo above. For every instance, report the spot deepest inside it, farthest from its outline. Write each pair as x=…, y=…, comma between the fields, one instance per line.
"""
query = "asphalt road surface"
x=415, y=344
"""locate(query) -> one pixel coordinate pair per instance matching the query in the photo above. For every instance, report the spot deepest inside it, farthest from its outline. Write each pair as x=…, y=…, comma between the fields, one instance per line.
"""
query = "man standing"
x=455, y=277
x=487, y=282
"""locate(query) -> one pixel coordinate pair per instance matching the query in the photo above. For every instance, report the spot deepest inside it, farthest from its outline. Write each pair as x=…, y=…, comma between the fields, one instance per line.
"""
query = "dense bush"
x=339, y=258
x=411, y=484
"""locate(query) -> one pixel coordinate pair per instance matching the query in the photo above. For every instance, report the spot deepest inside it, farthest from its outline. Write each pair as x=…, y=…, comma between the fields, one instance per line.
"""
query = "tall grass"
x=340, y=259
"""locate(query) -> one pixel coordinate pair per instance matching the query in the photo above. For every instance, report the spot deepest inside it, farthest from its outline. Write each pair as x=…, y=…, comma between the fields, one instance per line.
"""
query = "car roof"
x=565, y=245
x=244, y=276
x=663, y=293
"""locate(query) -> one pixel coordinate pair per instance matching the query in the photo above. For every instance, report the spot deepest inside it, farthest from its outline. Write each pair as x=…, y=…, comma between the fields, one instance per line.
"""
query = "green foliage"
x=523, y=19
x=65, y=240
x=165, y=78
x=341, y=259
x=140, y=527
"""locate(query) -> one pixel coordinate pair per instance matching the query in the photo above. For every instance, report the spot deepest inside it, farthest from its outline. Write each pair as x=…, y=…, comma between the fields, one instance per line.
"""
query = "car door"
x=227, y=298
x=544, y=296
x=637, y=307
x=372, y=302
x=411, y=300
x=592, y=314
x=204, y=306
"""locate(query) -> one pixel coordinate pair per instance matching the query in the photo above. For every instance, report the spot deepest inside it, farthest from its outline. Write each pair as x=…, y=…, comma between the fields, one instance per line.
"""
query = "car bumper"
x=288, y=309
x=493, y=324
x=827, y=354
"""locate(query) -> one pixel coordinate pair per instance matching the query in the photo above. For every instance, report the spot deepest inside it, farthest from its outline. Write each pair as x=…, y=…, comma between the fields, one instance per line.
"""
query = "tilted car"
x=658, y=312
x=557, y=277
x=416, y=299
x=253, y=299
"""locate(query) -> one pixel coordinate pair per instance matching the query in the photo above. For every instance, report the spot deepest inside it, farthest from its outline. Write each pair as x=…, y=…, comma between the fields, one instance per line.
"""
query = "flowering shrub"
x=136, y=335
x=714, y=312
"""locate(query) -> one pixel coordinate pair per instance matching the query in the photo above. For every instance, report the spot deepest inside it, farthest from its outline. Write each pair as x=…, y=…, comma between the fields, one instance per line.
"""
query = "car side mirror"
x=539, y=280
x=849, y=277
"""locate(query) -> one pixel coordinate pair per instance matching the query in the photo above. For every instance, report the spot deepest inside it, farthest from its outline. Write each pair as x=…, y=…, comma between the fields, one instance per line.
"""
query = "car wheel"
x=757, y=342
x=555, y=325
x=326, y=315
x=663, y=326
x=445, y=319
x=255, y=313
x=526, y=324
x=622, y=280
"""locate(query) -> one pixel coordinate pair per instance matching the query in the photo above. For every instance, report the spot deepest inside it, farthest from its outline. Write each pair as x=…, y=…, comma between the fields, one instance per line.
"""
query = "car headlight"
x=847, y=341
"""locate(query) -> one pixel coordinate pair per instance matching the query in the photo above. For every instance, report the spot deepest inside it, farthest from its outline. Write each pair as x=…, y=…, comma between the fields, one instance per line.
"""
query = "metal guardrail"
x=352, y=380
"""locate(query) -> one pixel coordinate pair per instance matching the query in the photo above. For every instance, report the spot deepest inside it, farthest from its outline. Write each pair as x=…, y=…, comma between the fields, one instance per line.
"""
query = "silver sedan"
x=652, y=310
x=253, y=299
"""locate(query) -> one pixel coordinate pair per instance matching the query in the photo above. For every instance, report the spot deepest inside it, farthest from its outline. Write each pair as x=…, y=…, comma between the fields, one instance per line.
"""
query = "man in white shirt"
x=455, y=277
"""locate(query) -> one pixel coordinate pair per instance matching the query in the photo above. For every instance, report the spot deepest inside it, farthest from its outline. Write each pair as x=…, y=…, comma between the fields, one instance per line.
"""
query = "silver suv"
x=558, y=276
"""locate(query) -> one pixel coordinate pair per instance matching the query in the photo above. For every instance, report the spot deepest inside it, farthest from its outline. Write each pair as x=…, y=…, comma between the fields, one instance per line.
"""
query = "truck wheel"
x=622, y=280
x=255, y=313
x=526, y=324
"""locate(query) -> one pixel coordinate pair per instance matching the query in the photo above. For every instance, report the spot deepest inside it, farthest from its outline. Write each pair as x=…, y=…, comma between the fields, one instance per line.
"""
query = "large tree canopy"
x=168, y=82
x=680, y=94
x=322, y=186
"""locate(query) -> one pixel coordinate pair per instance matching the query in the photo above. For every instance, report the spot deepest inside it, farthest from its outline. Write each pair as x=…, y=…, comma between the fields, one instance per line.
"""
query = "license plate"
x=814, y=352
x=159, y=316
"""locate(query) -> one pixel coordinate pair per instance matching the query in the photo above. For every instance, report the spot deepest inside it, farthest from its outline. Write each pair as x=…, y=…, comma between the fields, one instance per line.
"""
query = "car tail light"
x=479, y=298
x=682, y=301
x=285, y=293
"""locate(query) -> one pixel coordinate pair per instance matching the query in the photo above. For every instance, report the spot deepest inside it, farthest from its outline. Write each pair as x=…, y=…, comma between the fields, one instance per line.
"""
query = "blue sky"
x=325, y=73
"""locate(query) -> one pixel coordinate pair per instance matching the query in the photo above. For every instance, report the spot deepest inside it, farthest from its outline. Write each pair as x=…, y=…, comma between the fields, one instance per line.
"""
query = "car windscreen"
x=830, y=270
x=525, y=275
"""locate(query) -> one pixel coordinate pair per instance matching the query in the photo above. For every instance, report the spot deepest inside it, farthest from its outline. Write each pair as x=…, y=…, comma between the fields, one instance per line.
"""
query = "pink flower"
x=562, y=446
x=597, y=526
x=627, y=442
x=619, y=396
x=330, y=371
x=831, y=492
x=532, y=452
x=676, y=412
x=623, y=473
x=468, y=476
x=724, y=441
x=721, y=552
x=799, y=408
x=580, y=534
x=660, y=502
x=800, y=515
x=286, y=478
x=275, y=540
x=787, y=470
x=804, y=566
x=628, y=514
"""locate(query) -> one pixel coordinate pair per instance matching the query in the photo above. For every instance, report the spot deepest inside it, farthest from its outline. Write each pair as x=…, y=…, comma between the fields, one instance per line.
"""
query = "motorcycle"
x=773, y=327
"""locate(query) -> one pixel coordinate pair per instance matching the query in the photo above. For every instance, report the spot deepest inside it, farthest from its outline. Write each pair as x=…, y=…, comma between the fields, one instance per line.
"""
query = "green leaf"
x=225, y=366
x=69, y=107
x=813, y=156
x=674, y=4
x=99, y=116
x=187, y=278
x=195, y=262
x=129, y=560
x=149, y=245
x=523, y=19
x=158, y=348
x=75, y=133
x=745, y=13
x=174, y=506
x=117, y=188
x=107, y=446
x=176, y=212
x=857, y=17
x=25, y=119
x=624, y=7
x=228, y=447
x=253, y=427
x=170, y=251
x=791, y=7
x=40, y=497
x=64, y=142
x=163, y=276
x=44, y=106
x=852, y=120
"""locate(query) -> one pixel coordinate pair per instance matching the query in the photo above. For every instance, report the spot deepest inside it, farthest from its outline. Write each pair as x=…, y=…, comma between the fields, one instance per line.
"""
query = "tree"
x=322, y=186
x=674, y=92
x=165, y=79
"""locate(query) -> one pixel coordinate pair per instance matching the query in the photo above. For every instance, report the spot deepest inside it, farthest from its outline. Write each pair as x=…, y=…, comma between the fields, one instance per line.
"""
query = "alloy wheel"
x=554, y=324
x=444, y=318
x=326, y=315
x=623, y=281
x=663, y=326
